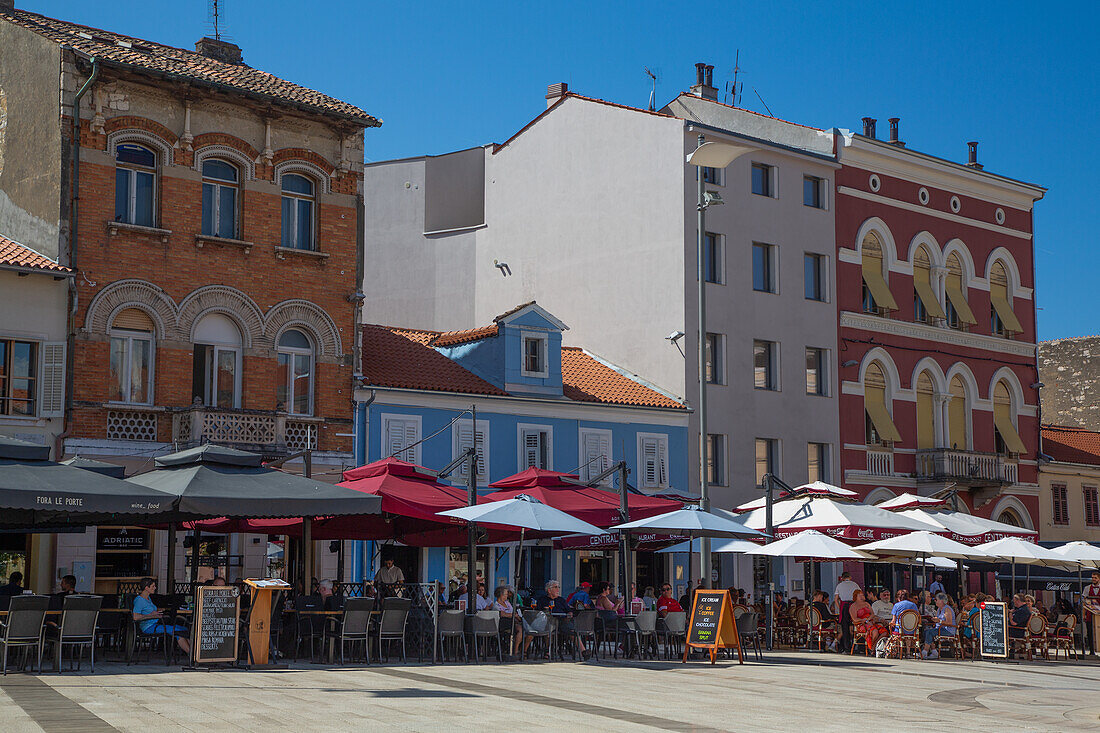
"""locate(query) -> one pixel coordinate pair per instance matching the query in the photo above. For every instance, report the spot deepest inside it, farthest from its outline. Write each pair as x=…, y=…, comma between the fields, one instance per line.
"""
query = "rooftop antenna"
x=653, y=92
x=732, y=89
x=215, y=12
x=763, y=102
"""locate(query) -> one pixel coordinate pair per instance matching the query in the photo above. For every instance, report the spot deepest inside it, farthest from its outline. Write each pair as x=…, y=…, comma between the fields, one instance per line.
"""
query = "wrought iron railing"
x=950, y=463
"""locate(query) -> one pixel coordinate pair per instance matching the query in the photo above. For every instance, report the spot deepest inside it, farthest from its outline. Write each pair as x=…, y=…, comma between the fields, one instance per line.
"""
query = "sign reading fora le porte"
x=216, y=625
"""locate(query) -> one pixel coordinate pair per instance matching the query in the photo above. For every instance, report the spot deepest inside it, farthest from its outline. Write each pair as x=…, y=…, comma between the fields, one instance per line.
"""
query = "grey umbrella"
x=215, y=481
x=35, y=490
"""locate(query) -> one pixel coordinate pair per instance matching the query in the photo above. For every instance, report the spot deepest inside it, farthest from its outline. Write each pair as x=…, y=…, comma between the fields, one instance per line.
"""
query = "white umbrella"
x=838, y=518
x=1028, y=553
x=923, y=545
x=1086, y=556
x=729, y=546
x=940, y=563
x=814, y=488
x=910, y=501
x=810, y=544
x=966, y=528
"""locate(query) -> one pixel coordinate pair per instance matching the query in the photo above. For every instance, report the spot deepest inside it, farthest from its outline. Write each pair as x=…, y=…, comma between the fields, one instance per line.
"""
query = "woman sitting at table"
x=943, y=626
x=148, y=616
x=510, y=625
x=864, y=620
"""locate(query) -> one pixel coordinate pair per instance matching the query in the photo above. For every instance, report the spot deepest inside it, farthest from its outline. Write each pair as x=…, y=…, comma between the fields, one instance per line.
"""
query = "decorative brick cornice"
x=133, y=122
x=935, y=334
x=229, y=141
x=284, y=154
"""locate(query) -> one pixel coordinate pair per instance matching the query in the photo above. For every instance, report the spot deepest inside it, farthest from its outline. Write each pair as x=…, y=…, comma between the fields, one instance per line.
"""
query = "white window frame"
x=587, y=469
x=217, y=184
x=544, y=341
x=131, y=336
x=822, y=192
x=777, y=456
x=661, y=441
x=131, y=185
x=293, y=351
x=823, y=375
x=407, y=421
x=459, y=475
x=772, y=251
x=773, y=180
x=313, y=210
x=522, y=430
x=773, y=362
x=822, y=261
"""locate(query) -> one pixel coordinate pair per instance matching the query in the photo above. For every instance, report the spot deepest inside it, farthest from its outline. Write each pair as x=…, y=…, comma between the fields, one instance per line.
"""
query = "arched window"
x=1005, y=437
x=926, y=412
x=876, y=292
x=132, y=352
x=1002, y=319
x=135, y=184
x=879, y=426
x=1009, y=516
x=216, y=365
x=926, y=306
x=959, y=315
x=957, y=415
x=220, y=183
x=298, y=211
x=294, y=390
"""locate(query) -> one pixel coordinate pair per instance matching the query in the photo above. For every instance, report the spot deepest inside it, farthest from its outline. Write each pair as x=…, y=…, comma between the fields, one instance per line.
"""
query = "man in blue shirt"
x=580, y=595
x=903, y=605
x=148, y=616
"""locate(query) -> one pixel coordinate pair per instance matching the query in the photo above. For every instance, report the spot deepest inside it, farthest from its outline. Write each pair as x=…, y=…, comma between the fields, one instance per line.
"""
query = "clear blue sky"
x=1020, y=77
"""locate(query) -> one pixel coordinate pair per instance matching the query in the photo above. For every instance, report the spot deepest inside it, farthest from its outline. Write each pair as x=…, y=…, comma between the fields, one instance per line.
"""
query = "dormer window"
x=534, y=354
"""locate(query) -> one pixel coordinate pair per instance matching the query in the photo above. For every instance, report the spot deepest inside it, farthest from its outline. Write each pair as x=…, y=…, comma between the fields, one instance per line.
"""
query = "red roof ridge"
x=17, y=256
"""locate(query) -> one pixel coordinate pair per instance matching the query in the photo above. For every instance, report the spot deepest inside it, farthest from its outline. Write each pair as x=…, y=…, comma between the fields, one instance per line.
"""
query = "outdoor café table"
x=331, y=617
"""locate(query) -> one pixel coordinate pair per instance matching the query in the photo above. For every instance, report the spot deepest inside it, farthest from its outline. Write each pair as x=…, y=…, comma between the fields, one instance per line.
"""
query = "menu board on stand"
x=993, y=629
x=711, y=625
x=215, y=625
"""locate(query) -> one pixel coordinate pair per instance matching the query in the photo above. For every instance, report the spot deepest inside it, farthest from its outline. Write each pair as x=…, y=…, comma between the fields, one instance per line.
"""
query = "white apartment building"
x=590, y=209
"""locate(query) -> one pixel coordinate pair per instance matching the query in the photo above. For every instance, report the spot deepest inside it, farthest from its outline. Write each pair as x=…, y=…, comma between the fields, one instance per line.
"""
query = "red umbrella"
x=565, y=491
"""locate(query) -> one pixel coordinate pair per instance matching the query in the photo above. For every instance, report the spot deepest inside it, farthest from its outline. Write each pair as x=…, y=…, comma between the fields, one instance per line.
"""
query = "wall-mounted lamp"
x=850, y=362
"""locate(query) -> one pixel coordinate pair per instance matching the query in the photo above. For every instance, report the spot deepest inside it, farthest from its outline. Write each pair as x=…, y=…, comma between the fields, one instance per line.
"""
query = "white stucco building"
x=591, y=210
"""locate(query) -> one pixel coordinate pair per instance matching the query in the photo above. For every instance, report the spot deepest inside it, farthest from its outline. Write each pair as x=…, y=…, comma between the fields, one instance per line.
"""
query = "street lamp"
x=706, y=155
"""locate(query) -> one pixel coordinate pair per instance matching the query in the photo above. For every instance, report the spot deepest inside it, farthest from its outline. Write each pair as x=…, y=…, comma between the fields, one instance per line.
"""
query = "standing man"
x=388, y=578
x=842, y=599
x=936, y=586
x=1090, y=599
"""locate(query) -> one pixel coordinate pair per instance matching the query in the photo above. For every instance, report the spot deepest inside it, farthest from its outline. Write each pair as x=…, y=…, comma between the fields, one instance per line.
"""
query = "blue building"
x=537, y=404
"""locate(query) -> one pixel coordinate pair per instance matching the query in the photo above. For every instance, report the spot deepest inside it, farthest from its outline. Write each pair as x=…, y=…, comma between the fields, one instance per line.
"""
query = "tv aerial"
x=653, y=91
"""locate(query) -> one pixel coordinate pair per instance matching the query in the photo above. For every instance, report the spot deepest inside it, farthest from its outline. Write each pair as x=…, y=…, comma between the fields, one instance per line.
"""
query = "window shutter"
x=597, y=454
x=532, y=444
x=662, y=463
x=465, y=432
x=52, y=400
x=412, y=455
x=651, y=469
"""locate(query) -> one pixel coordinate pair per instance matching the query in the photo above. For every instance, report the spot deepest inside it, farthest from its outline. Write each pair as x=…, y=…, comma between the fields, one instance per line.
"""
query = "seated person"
x=509, y=624
x=883, y=608
x=1021, y=612
x=148, y=616
x=14, y=586
x=969, y=611
x=553, y=602
x=943, y=626
x=329, y=600
x=580, y=597
x=68, y=587
x=481, y=599
x=666, y=604
x=903, y=605
x=864, y=620
x=217, y=581
x=821, y=603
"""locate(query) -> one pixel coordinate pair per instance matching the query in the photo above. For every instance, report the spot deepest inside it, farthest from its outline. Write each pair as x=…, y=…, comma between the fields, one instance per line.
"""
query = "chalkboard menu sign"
x=993, y=629
x=711, y=625
x=215, y=625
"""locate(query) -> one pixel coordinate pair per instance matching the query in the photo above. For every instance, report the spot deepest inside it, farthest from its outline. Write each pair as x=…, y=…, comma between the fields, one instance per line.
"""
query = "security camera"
x=674, y=336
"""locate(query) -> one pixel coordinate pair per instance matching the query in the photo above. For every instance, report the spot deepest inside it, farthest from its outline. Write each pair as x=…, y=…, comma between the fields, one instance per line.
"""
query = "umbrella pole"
x=195, y=537
x=515, y=606
x=1081, y=595
x=1013, y=576
x=170, y=575
x=471, y=537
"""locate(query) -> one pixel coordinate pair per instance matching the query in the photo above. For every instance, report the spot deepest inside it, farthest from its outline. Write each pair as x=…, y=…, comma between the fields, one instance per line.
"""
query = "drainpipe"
x=73, y=298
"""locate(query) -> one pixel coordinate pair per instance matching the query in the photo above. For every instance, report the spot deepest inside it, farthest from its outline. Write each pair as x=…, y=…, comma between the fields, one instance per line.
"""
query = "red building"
x=935, y=291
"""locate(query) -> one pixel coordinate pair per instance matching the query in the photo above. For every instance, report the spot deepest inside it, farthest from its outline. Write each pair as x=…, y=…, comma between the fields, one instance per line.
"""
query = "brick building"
x=211, y=211
x=935, y=290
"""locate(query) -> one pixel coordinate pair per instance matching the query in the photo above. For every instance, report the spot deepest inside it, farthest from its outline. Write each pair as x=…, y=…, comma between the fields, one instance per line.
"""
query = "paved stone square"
x=788, y=691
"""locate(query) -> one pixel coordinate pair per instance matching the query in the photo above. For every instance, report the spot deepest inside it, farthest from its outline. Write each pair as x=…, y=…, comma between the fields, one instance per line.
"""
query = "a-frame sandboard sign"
x=711, y=625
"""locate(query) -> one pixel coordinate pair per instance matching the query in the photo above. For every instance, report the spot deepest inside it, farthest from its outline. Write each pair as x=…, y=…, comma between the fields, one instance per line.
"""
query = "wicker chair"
x=969, y=644
x=952, y=644
x=821, y=629
x=798, y=634
x=1035, y=638
x=859, y=637
x=1062, y=637
x=904, y=640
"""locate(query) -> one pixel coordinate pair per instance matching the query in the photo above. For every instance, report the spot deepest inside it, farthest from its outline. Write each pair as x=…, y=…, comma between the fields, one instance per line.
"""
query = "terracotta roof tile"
x=394, y=357
x=115, y=48
x=454, y=338
x=405, y=358
x=587, y=379
x=510, y=311
x=1072, y=445
x=17, y=256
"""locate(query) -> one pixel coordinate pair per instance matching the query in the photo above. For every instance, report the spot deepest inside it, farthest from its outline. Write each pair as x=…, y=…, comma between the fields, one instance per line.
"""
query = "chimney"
x=554, y=92
x=869, y=126
x=973, y=161
x=894, y=133
x=215, y=48
x=6, y=6
x=704, y=82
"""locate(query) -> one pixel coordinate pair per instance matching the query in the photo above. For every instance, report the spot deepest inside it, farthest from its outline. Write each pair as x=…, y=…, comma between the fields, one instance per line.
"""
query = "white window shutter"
x=52, y=400
x=464, y=432
x=650, y=461
x=597, y=454
x=395, y=435
x=412, y=435
x=482, y=469
x=532, y=449
x=662, y=463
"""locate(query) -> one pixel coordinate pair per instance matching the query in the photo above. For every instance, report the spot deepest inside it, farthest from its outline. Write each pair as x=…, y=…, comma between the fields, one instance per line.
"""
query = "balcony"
x=269, y=432
x=880, y=461
x=963, y=466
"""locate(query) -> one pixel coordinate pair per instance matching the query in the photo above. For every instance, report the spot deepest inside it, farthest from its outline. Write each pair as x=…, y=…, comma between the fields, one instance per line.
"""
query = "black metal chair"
x=452, y=625
x=353, y=626
x=23, y=626
x=674, y=630
x=391, y=627
x=79, y=618
x=538, y=625
x=307, y=627
x=749, y=632
x=584, y=628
